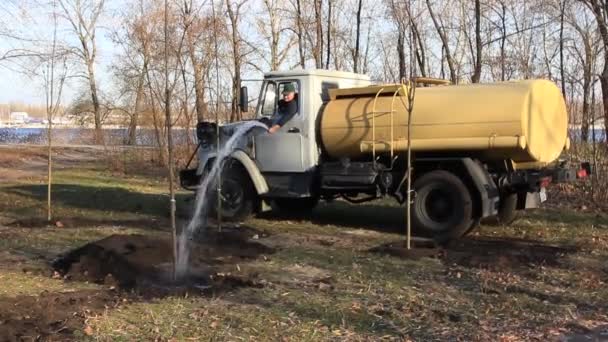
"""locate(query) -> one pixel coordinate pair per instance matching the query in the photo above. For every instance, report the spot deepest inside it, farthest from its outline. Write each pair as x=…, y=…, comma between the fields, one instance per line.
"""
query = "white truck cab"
x=294, y=147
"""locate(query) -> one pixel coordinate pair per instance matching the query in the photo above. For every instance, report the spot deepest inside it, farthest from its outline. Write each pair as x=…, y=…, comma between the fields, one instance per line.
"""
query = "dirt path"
x=18, y=162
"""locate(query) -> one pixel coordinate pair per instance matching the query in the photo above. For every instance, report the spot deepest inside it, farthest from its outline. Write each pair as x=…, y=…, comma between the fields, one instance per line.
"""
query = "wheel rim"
x=439, y=206
x=232, y=197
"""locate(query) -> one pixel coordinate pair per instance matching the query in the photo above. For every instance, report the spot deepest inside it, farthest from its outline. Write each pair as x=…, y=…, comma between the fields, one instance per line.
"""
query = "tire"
x=239, y=196
x=443, y=207
x=507, y=211
x=296, y=206
x=474, y=224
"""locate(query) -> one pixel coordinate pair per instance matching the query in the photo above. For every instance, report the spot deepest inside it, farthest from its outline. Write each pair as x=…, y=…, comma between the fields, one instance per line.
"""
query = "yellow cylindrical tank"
x=522, y=121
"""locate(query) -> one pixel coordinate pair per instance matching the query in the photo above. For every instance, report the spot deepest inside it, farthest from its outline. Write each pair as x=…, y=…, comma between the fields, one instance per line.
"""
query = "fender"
x=254, y=173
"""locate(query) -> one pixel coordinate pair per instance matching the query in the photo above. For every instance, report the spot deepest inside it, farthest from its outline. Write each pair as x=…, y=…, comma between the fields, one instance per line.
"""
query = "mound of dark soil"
x=130, y=261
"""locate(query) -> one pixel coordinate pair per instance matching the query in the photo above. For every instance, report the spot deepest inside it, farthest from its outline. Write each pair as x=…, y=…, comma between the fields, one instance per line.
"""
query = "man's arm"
x=291, y=110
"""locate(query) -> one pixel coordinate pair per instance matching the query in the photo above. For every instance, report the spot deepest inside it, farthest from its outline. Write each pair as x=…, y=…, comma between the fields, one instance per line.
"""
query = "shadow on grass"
x=392, y=219
x=107, y=199
x=368, y=216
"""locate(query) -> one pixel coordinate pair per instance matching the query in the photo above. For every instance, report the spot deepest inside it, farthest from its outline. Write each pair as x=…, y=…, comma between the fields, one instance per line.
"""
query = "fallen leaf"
x=88, y=330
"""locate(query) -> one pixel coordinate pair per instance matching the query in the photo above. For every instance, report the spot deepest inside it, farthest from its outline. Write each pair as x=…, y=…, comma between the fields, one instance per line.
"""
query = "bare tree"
x=274, y=29
x=136, y=40
x=82, y=15
x=444, y=43
x=196, y=28
x=477, y=70
x=53, y=69
x=234, y=13
x=586, y=57
x=600, y=11
x=328, y=29
x=357, y=38
x=300, y=34
x=317, y=51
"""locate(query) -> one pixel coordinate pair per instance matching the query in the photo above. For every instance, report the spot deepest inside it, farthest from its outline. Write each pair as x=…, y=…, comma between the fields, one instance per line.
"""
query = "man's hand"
x=274, y=129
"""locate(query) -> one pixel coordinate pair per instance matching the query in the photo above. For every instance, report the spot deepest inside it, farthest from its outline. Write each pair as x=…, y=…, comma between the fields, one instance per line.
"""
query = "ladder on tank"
x=409, y=90
x=403, y=90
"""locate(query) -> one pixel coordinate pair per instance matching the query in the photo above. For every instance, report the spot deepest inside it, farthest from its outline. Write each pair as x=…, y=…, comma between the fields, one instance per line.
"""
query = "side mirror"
x=244, y=100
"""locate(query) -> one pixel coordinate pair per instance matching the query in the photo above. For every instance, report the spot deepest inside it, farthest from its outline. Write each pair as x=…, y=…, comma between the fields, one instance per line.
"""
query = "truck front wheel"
x=443, y=207
x=238, y=194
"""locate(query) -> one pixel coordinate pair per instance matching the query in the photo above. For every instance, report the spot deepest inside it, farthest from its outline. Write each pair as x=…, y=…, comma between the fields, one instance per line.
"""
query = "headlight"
x=205, y=132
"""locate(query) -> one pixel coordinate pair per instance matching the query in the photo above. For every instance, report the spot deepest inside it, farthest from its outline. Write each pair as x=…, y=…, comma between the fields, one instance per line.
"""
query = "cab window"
x=272, y=96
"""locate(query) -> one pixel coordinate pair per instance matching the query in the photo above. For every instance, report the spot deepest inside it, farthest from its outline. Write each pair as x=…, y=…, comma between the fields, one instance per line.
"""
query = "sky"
x=27, y=19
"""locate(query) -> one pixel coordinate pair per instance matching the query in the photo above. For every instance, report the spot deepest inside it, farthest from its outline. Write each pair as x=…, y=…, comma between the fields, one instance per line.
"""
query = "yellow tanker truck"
x=477, y=150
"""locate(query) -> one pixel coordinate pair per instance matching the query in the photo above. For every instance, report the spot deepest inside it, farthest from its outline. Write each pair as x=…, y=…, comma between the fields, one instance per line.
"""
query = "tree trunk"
x=139, y=97
x=604, y=83
x=401, y=54
x=328, y=34
x=587, y=69
x=318, y=50
x=600, y=15
x=561, y=46
x=444, y=42
x=199, y=87
x=99, y=139
x=503, y=43
x=358, y=38
x=49, y=216
x=300, y=35
x=420, y=53
x=235, y=113
x=477, y=73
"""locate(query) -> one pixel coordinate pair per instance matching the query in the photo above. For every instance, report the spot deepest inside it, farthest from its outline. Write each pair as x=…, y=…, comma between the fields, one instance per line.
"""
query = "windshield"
x=270, y=96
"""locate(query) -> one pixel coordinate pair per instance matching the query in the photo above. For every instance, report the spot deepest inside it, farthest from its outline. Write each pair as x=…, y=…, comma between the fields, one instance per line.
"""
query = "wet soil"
x=140, y=262
x=482, y=252
x=504, y=253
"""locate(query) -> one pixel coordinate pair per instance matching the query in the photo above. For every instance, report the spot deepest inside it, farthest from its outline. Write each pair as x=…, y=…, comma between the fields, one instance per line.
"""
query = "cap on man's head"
x=289, y=88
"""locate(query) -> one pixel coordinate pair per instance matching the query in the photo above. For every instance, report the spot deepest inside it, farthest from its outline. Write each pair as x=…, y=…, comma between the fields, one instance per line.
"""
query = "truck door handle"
x=293, y=130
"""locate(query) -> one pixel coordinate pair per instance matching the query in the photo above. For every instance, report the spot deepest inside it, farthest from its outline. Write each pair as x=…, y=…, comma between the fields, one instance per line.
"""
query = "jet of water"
x=201, y=205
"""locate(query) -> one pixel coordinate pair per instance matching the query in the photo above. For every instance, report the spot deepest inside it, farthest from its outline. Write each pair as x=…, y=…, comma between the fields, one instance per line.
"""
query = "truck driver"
x=287, y=108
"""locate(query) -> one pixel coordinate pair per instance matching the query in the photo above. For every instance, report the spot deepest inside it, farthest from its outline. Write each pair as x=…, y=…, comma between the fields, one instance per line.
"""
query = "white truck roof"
x=317, y=72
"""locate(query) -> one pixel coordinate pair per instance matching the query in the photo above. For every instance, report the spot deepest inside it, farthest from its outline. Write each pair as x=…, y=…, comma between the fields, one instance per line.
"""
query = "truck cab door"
x=282, y=151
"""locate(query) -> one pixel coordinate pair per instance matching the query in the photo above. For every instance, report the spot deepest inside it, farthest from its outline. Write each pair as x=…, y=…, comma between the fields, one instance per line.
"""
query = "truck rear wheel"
x=443, y=207
x=238, y=194
x=507, y=211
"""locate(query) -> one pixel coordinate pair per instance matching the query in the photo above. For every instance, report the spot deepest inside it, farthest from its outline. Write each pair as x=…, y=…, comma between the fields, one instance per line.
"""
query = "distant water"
x=86, y=136
x=600, y=135
x=145, y=137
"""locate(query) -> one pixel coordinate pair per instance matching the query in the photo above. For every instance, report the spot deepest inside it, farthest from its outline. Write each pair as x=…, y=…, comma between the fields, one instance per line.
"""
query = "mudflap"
x=189, y=179
x=487, y=191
